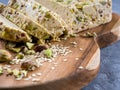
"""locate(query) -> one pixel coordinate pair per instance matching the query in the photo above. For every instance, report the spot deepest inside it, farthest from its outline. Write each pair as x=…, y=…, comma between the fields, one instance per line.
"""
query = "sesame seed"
x=75, y=46
x=81, y=67
x=74, y=43
x=76, y=58
x=65, y=60
x=49, y=61
x=18, y=79
x=39, y=74
x=35, y=80
x=33, y=75
x=5, y=68
x=52, y=68
x=39, y=59
x=26, y=79
x=81, y=49
x=9, y=66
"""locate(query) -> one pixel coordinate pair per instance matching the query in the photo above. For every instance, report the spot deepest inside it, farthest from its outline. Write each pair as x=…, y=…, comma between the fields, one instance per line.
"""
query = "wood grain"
x=68, y=75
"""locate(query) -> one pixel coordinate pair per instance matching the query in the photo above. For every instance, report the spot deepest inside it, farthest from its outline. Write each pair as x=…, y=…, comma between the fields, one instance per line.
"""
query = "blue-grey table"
x=109, y=75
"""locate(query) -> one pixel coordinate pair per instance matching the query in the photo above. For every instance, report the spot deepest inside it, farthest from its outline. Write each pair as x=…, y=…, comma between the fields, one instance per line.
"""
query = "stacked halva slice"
x=11, y=32
x=81, y=14
x=42, y=15
x=55, y=19
x=26, y=23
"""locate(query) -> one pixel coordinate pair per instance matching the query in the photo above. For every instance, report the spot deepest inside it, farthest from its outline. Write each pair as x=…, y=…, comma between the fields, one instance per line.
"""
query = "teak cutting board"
x=72, y=74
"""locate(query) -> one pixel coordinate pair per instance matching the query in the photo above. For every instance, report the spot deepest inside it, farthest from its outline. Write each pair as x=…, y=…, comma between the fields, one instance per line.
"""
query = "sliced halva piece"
x=40, y=14
x=81, y=14
x=26, y=24
x=11, y=32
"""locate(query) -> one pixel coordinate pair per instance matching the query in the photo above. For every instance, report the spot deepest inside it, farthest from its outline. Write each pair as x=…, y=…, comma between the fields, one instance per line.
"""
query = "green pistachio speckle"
x=48, y=53
x=30, y=45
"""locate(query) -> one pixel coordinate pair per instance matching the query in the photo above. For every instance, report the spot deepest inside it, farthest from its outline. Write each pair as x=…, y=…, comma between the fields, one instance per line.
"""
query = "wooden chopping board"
x=80, y=68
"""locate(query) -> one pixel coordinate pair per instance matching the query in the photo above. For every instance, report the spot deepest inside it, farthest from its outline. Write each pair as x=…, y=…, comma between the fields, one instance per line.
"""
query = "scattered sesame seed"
x=35, y=80
x=18, y=79
x=76, y=58
x=74, y=43
x=75, y=46
x=52, y=68
x=39, y=74
x=26, y=79
x=5, y=68
x=81, y=67
x=81, y=49
x=9, y=66
x=33, y=75
x=39, y=59
x=65, y=60
x=50, y=61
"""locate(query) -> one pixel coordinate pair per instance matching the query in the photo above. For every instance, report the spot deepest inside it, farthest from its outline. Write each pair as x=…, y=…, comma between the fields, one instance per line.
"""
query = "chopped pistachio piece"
x=9, y=71
x=16, y=50
x=5, y=56
x=48, y=53
x=47, y=15
x=20, y=56
x=12, y=47
x=30, y=45
x=103, y=2
x=40, y=48
x=59, y=0
x=73, y=35
x=30, y=52
x=16, y=72
x=80, y=6
x=1, y=70
x=19, y=74
x=29, y=66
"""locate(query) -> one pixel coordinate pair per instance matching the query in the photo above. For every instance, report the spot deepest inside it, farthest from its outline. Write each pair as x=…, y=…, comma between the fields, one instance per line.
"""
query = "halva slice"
x=81, y=14
x=42, y=15
x=11, y=32
x=26, y=24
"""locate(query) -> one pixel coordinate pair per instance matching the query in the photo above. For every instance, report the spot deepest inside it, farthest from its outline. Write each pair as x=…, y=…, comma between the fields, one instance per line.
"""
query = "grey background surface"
x=109, y=75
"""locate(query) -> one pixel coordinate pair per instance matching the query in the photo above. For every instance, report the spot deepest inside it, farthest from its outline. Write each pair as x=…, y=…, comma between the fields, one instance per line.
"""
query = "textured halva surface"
x=109, y=75
x=40, y=14
x=81, y=14
x=11, y=32
x=26, y=23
